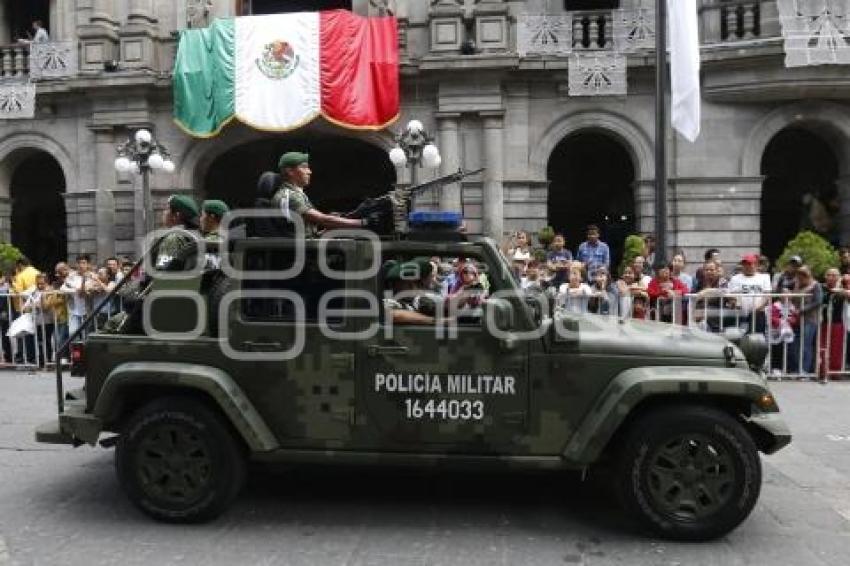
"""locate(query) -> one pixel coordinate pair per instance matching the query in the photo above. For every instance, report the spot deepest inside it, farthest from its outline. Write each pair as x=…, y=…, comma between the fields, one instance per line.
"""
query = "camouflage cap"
x=183, y=204
x=292, y=159
x=216, y=207
x=413, y=270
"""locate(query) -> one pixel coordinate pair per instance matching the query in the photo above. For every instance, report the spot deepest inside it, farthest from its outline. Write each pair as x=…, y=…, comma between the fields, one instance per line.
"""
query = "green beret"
x=183, y=204
x=217, y=207
x=415, y=269
x=292, y=159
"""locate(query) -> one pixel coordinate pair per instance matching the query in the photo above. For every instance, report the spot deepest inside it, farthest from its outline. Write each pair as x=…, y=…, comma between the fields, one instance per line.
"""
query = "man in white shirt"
x=39, y=34
x=750, y=281
x=75, y=287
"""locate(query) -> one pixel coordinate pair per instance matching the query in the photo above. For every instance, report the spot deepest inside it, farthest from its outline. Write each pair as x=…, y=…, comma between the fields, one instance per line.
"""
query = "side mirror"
x=499, y=313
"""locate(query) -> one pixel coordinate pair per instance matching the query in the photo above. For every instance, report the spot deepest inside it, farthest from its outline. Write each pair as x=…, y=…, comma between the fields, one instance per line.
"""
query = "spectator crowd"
x=802, y=318
x=39, y=311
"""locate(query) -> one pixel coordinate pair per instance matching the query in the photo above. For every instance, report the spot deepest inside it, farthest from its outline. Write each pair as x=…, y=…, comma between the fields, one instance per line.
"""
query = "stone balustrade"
x=14, y=61
x=593, y=30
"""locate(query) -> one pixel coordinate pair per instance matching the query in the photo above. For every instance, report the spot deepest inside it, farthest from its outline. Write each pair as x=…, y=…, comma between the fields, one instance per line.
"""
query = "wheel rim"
x=174, y=464
x=690, y=477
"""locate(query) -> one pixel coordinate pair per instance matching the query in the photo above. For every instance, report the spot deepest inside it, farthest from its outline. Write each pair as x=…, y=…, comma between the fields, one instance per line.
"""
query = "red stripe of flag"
x=359, y=69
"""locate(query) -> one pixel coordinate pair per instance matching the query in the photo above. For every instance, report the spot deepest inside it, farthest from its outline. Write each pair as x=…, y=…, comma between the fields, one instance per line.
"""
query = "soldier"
x=177, y=246
x=411, y=302
x=290, y=198
x=211, y=213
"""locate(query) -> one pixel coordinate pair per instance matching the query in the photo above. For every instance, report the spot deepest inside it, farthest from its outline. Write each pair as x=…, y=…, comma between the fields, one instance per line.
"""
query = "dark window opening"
x=591, y=181
x=258, y=7
x=571, y=5
x=21, y=15
x=310, y=284
x=38, y=210
x=799, y=190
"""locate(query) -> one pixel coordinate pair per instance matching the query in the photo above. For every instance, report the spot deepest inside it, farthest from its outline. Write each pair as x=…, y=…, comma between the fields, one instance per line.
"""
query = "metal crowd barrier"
x=812, y=346
x=31, y=350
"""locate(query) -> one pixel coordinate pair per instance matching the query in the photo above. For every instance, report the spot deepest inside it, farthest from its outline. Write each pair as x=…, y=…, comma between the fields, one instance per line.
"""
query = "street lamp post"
x=415, y=147
x=141, y=154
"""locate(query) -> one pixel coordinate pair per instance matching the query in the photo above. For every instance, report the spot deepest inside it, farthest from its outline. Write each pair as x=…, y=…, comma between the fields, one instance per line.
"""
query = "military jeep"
x=289, y=354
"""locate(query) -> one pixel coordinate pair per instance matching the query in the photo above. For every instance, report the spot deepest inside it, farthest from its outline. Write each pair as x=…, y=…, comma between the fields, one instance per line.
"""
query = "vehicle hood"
x=611, y=336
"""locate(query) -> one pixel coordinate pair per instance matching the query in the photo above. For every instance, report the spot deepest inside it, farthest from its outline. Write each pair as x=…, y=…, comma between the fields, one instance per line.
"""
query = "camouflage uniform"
x=290, y=200
x=174, y=250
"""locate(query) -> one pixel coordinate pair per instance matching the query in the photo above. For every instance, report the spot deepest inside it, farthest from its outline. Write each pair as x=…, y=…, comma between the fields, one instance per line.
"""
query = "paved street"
x=63, y=506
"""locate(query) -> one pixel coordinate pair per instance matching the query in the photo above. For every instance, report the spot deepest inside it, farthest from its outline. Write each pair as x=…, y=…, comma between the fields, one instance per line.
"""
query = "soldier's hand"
x=373, y=221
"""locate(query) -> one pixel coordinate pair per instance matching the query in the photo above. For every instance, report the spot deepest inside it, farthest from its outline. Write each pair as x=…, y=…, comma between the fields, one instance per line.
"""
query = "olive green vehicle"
x=678, y=415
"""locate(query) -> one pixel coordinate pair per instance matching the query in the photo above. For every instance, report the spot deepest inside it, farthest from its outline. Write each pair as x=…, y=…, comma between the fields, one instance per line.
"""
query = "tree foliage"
x=632, y=248
x=8, y=255
x=816, y=252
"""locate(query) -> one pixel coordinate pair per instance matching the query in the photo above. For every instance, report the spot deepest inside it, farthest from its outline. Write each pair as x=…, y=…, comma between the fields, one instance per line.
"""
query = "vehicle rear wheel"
x=178, y=462
x=689, y=473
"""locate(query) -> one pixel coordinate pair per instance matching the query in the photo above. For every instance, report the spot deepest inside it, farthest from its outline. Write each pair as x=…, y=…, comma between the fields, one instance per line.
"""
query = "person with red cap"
x=750, y=282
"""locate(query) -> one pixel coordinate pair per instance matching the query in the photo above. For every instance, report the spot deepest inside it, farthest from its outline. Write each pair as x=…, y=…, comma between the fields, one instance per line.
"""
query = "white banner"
x=277, y=70
x=684, y=67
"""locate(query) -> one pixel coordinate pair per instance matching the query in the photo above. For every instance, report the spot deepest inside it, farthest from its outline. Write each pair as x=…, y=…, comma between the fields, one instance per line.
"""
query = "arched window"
x=257, y=7
x=570, y=5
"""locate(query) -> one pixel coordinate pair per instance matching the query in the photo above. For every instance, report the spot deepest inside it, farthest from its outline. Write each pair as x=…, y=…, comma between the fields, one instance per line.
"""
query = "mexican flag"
x=279, y=72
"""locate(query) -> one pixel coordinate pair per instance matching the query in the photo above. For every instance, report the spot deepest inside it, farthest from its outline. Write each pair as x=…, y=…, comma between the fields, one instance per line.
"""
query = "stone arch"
x=633, y=137
x=201, y=154
x=826, y=119
x=17, y=146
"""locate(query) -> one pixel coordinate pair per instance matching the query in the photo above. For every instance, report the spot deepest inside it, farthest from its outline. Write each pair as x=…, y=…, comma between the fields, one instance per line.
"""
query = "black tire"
x=688, y=473
x=178, y=461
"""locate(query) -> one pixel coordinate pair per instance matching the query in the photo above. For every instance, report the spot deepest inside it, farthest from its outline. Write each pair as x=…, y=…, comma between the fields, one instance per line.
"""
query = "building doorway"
x=591, y=179
x=345, y=171
x=19, y=17
x=799, y=190
x=39, y=227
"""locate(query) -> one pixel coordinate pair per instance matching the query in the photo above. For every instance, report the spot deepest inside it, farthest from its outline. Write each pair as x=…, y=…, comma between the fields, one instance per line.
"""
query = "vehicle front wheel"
x=178, y=462
x=689, y=473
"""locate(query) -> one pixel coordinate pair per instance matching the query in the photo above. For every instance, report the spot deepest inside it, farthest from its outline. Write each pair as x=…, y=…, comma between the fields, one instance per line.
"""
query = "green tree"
x=632, y=248
x=545, y=236
x=8, y=255
x=816, y=252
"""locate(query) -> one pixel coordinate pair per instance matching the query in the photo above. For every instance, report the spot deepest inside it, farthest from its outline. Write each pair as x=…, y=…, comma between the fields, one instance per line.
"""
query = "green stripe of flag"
x=204, y=78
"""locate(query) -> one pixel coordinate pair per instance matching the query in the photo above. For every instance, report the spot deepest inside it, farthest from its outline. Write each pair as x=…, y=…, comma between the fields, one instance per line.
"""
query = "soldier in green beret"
x=291, y=199
x=411, y=302
x=177, y=247
x=211, y=213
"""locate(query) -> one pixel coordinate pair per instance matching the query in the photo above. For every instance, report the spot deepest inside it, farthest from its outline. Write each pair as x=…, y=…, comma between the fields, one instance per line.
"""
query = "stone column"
x=769, y=19
x=710, y=21
x=843, y=184
x=493, y=197
x=97, y=29
x=5, y=219
x=104, y=202
x=138, y=36
x=140, y=11
x=449, y=140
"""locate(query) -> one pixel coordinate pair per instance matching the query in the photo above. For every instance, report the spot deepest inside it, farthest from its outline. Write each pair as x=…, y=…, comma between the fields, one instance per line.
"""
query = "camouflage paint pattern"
x=569, y=394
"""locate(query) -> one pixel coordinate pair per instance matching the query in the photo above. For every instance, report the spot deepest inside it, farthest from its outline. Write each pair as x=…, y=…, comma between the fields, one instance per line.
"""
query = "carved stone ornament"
x=54, y=59
x=596, y=73
x=198, y=13
x=634, y=28
x=544, y=34
x=816, y=32
x=17, y=101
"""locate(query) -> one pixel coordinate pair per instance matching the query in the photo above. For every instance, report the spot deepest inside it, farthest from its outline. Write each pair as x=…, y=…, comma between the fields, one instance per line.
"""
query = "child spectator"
x=665, y=295
x=558, y=259
x=573, y=295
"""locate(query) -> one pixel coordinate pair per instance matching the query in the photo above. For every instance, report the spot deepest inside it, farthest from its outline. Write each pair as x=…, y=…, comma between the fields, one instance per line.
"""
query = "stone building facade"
x=774, y=140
